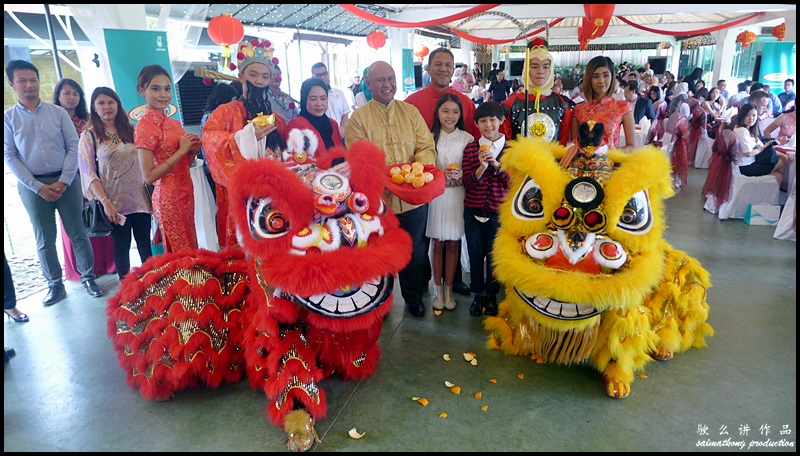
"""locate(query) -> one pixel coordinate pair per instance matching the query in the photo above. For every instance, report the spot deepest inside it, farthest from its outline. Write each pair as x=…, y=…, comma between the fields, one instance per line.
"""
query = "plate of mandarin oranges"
x=415, y=183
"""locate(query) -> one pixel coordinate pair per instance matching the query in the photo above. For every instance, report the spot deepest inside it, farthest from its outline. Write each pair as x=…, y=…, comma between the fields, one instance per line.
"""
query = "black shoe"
x=8, y=353
x=55, y=294
x=93, y=288
x=461, y=288
x=416, y=309
x=476, y=308
x=491, y=306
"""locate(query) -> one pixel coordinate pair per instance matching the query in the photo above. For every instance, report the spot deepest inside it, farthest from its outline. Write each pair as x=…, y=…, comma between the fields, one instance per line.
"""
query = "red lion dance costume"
x=305, y=296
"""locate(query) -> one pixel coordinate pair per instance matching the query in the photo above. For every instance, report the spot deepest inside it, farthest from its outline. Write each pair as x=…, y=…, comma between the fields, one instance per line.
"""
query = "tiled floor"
x=64, y=391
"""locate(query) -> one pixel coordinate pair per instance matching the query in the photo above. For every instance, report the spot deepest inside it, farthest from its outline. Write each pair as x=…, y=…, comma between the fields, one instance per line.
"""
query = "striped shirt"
x=484, y=194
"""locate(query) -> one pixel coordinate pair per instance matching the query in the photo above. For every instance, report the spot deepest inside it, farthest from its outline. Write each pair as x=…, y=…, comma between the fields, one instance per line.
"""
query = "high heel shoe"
x=21, y=319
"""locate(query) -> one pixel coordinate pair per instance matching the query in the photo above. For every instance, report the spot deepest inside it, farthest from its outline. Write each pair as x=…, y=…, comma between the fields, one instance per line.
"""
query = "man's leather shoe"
x=491, y=306
x=461, y=288
x=93, y=288
x=55, y=294
x=476, y=308
x=416, y=309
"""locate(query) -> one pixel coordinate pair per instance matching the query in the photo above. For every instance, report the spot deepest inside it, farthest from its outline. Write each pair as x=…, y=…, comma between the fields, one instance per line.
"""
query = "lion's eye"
x=265, y=222
x=636, y=216
x=528, y=201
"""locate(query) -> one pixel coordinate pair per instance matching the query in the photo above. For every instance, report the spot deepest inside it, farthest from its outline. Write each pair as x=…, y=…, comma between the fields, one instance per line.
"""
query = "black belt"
x=44, y=176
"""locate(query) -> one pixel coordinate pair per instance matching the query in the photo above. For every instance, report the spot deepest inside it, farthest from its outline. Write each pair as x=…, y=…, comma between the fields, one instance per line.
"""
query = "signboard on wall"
x=128, y=52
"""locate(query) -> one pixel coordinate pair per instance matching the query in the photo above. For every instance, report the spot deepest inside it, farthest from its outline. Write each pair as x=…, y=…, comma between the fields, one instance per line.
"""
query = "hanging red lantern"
x=376, y=39
x=424, y=51
x=779, y=32
x=225, y=30
x=746, y=37
x=598, y=18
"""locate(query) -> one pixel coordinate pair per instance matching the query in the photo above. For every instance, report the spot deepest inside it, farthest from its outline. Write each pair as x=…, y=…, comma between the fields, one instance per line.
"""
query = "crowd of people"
x=66, y=152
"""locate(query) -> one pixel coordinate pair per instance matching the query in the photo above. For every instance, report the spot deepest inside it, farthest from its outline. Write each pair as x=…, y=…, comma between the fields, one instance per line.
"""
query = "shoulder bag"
x=94, y=216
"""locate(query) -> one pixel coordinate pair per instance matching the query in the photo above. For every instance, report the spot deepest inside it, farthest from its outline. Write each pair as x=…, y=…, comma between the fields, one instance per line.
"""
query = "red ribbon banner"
x=356, y=11
x=691, y=32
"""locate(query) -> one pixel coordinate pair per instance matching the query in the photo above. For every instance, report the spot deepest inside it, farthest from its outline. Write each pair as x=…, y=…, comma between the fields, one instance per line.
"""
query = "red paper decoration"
x=225, y=30
x=425, y=51
x=376, y=39
x=779, y=32
x=746, y=37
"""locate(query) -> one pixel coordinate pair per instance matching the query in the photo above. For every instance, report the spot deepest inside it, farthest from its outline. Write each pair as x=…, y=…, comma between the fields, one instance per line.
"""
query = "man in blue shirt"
x=41, y=149
x=787, y=97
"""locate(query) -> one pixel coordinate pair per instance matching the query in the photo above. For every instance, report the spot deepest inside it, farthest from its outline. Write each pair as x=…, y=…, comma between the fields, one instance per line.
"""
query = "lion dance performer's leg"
x=176, y=322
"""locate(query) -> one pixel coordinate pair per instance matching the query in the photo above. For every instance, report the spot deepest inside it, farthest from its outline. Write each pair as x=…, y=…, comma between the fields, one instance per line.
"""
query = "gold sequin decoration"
x=310, y=389
x=291, y=354
x=195, y=277
x=218, y=338
x=360, y=360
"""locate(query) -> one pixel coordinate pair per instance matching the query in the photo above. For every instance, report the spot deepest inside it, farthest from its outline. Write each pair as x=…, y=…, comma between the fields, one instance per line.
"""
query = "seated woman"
x=756, y=157
x=313, y=105
x=714, y=106
x=786, y=124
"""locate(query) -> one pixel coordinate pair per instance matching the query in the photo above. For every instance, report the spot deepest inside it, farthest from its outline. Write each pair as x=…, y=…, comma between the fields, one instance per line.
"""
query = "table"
x=640, y=137
x=789, y=174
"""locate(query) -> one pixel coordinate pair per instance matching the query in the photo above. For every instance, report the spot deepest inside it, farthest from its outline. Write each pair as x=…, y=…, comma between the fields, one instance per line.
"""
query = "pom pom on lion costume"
x=304, y=297
x=588, y=274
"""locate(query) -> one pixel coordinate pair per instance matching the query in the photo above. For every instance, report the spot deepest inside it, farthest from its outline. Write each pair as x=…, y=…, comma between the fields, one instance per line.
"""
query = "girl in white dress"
x=446, y=212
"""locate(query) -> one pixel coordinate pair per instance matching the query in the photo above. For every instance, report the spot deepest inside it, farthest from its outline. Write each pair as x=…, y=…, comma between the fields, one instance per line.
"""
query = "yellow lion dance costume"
x=587, y=272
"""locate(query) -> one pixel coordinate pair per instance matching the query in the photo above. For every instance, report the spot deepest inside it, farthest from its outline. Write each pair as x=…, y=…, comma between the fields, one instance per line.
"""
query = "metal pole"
x=52, y=39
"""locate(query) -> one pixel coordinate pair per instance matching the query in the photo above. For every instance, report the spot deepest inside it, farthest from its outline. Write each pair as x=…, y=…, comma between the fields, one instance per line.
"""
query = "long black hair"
x=80, y=110
x=121, y=122
x=437, y=125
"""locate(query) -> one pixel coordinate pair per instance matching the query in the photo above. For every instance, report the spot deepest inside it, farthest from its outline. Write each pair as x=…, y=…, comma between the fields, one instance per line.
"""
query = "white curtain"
x=181, y=34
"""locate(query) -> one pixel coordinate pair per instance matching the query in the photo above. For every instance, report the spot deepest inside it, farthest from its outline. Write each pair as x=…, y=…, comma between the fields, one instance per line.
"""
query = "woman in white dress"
x=446, y=212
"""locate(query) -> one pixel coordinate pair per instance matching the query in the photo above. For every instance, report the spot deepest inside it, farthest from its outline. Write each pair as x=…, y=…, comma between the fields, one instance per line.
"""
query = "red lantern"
x=424, y=51
x=779, y=32
x=746, y=38
x=376, y=39
x=598, y=16
x=225, y=30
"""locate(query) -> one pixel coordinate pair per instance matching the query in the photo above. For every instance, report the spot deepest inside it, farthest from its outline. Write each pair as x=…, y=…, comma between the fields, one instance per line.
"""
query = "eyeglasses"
x=321, y=75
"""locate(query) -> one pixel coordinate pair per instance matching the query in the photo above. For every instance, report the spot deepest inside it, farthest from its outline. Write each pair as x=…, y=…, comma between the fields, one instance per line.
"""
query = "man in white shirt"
x=338, y=102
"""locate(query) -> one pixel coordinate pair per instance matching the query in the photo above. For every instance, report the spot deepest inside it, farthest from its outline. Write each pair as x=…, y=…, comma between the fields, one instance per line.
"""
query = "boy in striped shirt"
x=486, y=185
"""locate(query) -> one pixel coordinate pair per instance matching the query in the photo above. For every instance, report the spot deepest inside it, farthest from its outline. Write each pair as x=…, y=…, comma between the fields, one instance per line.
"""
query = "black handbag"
x=95, y=220
x=94, y=216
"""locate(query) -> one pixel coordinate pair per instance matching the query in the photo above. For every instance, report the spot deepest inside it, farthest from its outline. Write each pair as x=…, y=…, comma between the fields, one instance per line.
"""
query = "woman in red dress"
x=166, y=153
x=599, y=86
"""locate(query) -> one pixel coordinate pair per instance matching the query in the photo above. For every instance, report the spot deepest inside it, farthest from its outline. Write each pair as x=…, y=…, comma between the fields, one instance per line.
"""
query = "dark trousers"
x=480, y=240
x=413, y=282
x=139, y=224
x=42, y=214
x=9, y=294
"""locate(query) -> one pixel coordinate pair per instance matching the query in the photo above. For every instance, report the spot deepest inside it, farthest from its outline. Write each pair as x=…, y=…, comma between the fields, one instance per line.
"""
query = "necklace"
x=113, y=137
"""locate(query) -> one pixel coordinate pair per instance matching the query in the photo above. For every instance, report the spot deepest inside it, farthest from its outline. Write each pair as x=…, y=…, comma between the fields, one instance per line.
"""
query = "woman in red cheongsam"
x=599, y=85
x=166, y=153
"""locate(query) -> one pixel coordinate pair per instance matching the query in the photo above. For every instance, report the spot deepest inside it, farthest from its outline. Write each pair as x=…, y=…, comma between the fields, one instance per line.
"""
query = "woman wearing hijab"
x=364, y=95
x=313, y=105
